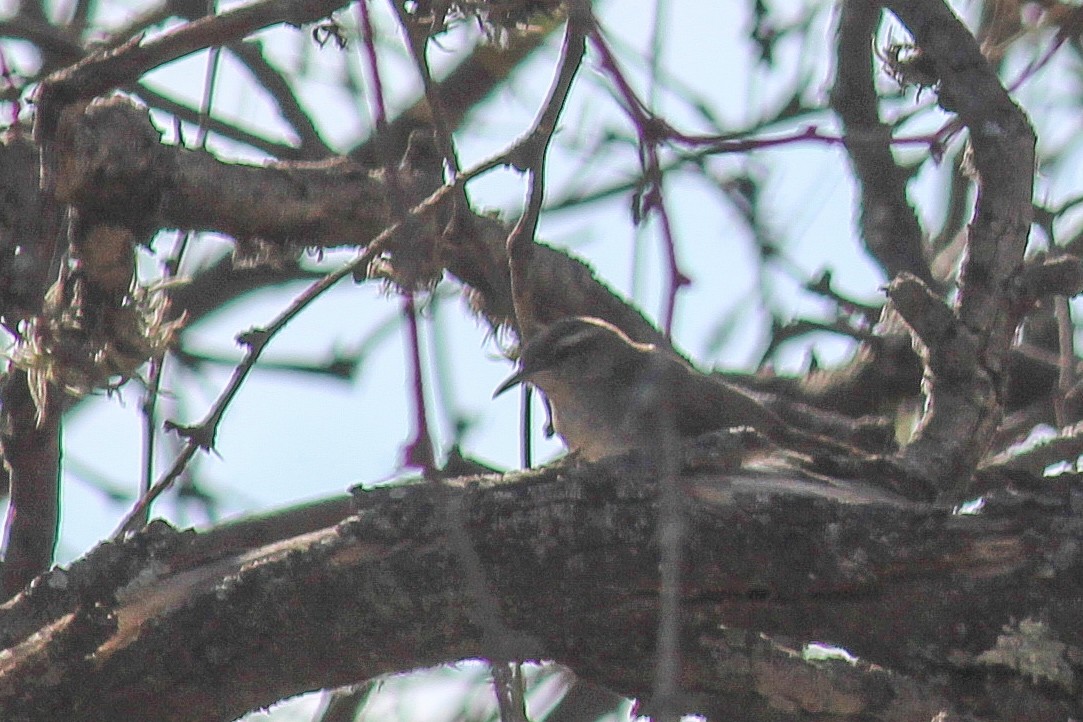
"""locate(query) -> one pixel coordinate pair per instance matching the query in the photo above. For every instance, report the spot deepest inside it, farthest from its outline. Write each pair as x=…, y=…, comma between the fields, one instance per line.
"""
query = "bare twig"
x=149, y=406
x=312, y=145
x=1062, y=311
x=419, y=451
x=150, y=396
x=417, y=44
x=181, y=111
x=202, y=435
x=529, y=155
x=670, y=535
x=116, y=67
x=509, y=685
x=890, y=227
x=652, y=131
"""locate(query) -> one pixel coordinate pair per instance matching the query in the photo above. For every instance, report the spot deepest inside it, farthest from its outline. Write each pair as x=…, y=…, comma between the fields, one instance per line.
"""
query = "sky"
x=289, y=437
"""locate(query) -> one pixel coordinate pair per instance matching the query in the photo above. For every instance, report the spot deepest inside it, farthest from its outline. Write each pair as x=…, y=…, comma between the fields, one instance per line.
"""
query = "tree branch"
x=961, y=420
x=768, y=552
x=889, y=226
x=31, y=453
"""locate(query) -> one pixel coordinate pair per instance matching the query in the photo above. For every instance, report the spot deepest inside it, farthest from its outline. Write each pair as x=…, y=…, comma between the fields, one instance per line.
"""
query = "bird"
x=609, y=394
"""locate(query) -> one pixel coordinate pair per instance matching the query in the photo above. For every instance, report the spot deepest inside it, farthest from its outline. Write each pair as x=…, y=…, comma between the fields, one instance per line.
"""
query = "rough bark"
x=952, y=616
x=948, y=613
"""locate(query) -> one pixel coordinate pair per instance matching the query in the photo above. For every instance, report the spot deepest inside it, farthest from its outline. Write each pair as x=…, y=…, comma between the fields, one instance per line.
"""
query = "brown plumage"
x=610, y=394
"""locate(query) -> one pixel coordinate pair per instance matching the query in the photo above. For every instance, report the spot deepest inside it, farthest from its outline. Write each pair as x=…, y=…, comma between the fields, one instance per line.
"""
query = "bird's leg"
x=549, y=429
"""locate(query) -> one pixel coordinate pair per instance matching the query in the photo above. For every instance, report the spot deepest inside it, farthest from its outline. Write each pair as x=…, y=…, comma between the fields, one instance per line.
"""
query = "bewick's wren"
x=610, y=394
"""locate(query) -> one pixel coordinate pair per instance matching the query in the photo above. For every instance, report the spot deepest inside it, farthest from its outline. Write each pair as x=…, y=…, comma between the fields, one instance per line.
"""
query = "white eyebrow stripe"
x=579, y=337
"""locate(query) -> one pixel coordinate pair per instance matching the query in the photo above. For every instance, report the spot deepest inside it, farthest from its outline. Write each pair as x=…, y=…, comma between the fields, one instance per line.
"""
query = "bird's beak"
x=516, y=378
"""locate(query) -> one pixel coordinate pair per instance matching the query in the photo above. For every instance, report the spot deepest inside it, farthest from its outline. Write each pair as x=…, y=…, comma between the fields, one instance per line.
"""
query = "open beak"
x=515, y=379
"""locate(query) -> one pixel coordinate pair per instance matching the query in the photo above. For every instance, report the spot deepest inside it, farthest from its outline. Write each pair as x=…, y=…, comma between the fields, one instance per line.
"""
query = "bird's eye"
x=559, y=352
x=569, y=344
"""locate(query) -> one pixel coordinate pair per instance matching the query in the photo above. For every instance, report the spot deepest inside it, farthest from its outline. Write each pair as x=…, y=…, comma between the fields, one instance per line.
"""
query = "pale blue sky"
x=288, y=438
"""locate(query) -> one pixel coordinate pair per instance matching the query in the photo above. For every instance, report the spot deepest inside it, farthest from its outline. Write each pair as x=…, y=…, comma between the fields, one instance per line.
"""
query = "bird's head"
x=576, y=349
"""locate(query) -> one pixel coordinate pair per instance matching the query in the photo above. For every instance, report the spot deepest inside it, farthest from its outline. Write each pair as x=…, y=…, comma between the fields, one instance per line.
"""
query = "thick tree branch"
x=957, y=428
x=327, y=204
x=571, y=557
x=1002, y=141
x=31, y=454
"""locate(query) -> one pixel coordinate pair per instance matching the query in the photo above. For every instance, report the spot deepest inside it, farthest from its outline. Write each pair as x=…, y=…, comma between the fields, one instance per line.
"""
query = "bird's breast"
x=591, y=419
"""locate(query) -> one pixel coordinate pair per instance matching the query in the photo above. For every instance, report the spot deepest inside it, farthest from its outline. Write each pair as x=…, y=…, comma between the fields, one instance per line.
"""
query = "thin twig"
x=420, y=450
x=419, y=453
x=508, y=684
x=214, y=59
x=202, y=435
x=417, y=44
x=1062, y=312
x=529, y=155
x=526, y=439
x=658, y=410
x=150, y=394
x=116, y=67
x=652, y=131
x=281, y=92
